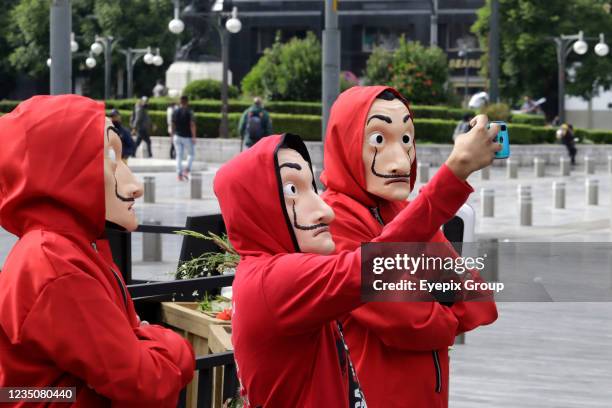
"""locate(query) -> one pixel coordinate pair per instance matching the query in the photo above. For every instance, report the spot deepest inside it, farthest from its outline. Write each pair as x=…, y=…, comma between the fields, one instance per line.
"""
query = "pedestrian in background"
x=141, y=124
x=184, y=137
x=169, y=112
x=159, y=89
x=463, y=126
x=254, y=124
x=127, y=143
x=565, y=135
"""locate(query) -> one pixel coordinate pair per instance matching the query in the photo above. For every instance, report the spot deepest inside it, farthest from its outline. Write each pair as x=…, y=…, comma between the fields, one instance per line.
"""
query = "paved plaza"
x=535, y=355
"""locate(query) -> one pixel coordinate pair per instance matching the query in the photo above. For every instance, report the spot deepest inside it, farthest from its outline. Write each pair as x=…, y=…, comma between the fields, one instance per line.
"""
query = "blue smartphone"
x=502, y=137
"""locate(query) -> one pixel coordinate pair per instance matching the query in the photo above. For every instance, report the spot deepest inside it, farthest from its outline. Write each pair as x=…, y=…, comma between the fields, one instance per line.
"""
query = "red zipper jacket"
x=66, y=317
x=286, y=303
x=400, y=350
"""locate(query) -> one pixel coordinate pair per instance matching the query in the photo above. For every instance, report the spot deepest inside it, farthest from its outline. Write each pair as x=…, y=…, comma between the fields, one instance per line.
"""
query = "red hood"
x=343, y=164
x=52, y=166
x=250, y=196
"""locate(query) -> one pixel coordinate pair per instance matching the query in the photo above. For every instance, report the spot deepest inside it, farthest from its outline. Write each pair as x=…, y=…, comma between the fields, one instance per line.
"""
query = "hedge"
x=525, y=119
x=596, y=136
x=309, y=128
x=214, y=106
x=298, y=108
x=209, y=88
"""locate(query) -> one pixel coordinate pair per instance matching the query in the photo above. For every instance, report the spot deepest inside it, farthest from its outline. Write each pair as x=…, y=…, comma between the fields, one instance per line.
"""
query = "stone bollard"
x=512, y=167
x=592, y=191
x=589, y=165
x=525, y=202
x=151, y=244
x=485, y=173
x=558, y=194
x=565, y=166
x=149, y=189
x=490, y=248
x=423, y=171
x=487, y=196
x=538, y=167
x=196, y=185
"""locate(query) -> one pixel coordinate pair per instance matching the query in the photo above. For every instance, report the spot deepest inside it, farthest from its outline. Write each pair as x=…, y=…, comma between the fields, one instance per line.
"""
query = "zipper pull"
x=94, y=246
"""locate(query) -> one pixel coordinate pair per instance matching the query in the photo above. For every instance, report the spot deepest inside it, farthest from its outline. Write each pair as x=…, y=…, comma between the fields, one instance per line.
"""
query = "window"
x=387, y=38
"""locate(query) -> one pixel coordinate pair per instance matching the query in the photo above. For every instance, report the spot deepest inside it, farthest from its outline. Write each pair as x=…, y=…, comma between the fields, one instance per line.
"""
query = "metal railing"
x=161, y=291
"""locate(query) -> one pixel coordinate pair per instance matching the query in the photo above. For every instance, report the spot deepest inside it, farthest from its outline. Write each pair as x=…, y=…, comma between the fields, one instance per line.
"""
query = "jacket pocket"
x=438, y=370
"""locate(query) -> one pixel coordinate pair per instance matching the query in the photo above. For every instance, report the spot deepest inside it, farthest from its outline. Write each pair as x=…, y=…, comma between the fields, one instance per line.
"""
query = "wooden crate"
x=220, y=340
x=195, y=327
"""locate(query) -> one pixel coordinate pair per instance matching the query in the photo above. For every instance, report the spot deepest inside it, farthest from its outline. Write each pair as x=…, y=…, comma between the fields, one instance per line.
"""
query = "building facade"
x=364, y=24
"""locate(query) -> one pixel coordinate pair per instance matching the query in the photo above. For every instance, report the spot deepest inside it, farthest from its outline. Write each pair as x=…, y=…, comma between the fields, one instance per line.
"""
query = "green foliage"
x=595, y=136
x=439, y=112
x=28, y=36
x=528, y=63
x=207, y=124
x=497, y=111
x=287, y=72
x=379, y=67
x=134, y=23
x=347, y=80
x=307, y=126
x=7, y=106
x=419, y=73
x=209, y=262
x=434, y=130
x=208, y=89
x=440, y=131
x=527, y=119
x=205, y=105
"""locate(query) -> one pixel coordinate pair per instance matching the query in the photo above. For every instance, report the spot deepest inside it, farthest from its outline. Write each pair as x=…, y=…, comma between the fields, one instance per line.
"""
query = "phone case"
x=502, y=137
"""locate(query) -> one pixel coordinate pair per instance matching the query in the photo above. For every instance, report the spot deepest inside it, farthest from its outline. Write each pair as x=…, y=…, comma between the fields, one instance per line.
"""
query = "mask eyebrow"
x=381, y=117
x=291, y=166
x=406, y=118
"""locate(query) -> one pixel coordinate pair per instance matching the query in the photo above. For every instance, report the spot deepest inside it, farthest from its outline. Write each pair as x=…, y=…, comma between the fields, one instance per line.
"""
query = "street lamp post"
x=132, y=55
x=105, y=43
x=232, y=26
x=60, y=27
x=463, y=53
x=176, y=26
x=565, y=44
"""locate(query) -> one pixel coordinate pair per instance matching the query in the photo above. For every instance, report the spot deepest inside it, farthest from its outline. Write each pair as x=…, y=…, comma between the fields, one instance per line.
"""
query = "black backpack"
x=255, y=125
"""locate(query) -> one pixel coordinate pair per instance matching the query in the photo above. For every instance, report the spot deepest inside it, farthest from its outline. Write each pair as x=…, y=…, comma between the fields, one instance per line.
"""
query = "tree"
x=290, y=71
x=528, y=57
x=418, y=72
x=7, y=73
x=134, y=23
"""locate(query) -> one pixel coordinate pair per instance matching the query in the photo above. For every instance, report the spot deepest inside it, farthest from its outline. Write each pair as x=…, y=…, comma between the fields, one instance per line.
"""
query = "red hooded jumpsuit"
x=66, y=317
x=285, y=303
x=400, y=350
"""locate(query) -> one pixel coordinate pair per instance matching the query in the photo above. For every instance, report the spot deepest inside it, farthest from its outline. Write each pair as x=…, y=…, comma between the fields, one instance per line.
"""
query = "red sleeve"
x=80, y=329
x=305, y=291
x=470, y=314
x=417, y=326
x=438, y=201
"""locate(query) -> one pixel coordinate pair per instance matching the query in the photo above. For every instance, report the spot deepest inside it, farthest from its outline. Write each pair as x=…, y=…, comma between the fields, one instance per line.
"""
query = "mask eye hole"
x=290, y=190
x=376, y=139
x=406, y=139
